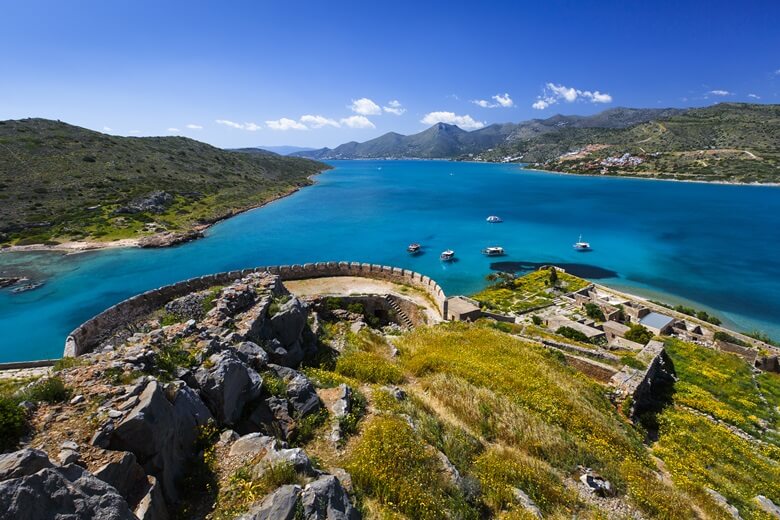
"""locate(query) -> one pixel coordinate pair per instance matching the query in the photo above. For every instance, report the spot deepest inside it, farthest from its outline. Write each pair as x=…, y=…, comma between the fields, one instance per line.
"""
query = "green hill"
x=725, y=142
x=59, y=181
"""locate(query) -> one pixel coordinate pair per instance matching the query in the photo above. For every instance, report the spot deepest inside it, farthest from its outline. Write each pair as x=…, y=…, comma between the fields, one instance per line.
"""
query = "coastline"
x=169, y=239
x=645, y=178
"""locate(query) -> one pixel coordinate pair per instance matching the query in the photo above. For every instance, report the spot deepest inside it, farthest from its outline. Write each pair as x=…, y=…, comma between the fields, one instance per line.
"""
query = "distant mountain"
x=444, y=141
x=281, y=150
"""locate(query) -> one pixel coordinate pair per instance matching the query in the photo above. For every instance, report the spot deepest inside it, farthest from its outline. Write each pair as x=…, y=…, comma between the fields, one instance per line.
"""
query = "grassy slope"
x=51, y=172
x=724, y=142
x=509, y=414
x=527, y=292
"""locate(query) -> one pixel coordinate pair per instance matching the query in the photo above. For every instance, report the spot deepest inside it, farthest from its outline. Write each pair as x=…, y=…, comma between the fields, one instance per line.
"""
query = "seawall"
x=90, y=333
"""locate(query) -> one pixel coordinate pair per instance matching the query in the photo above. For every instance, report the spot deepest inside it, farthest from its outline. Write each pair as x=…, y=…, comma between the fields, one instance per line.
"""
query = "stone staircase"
x=403, y=318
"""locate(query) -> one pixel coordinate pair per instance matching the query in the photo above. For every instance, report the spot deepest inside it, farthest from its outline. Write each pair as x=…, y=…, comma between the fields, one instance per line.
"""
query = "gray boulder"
x=300, y=391
x=161, y=433
x=767, y=505
x=125, y=475
x=152, y=505
x=279, y=505
x=228, y=386
x=66, y=493
x=22, y=463
x=270, y=416
x=288, y=323
x=252, y=354
x=325, y=499
x=251, y=445
x=293, y=456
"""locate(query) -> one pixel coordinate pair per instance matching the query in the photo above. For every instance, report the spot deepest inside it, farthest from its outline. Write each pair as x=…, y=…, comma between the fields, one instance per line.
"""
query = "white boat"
x=447, y=256
x=494, y=219
x=581, y=246
x=413, y=249
x=493, y=251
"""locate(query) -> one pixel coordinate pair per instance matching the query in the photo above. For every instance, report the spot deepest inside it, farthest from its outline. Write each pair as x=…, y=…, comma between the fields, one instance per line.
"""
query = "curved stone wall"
x=89, y=334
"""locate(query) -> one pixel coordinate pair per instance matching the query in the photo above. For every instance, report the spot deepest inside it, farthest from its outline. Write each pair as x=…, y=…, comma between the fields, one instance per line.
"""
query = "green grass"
x=365, y=358
x=527, y=292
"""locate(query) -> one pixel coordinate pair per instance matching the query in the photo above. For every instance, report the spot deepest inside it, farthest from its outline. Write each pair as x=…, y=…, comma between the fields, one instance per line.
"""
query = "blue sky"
x=327, y=72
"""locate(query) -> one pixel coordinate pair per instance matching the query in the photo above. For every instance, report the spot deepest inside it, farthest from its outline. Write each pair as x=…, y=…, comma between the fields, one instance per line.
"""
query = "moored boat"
x=447, y=256
x=581, y=246
x=413, y=249
x=493, y=219
x=493, y=251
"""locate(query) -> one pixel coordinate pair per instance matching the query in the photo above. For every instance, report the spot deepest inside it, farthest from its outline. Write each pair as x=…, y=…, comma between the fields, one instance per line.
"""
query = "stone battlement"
x=89, y=334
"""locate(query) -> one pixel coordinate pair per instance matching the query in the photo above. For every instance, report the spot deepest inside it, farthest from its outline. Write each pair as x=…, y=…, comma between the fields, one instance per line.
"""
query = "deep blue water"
x=712, y=246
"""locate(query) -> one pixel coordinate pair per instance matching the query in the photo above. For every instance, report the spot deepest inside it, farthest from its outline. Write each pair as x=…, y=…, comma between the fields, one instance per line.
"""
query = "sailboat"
x=581, y=246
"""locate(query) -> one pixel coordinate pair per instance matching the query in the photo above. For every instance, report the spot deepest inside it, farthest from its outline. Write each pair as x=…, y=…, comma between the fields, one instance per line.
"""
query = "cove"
x=713, y=247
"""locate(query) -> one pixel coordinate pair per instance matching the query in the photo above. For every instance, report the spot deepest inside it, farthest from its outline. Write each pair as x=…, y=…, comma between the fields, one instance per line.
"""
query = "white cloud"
x=174, y=130
x=553, y=93
x=505, y=101
x=754, y=96
x=465, y=122
x=252, y=127
x=394, y=107
x=365, y=107
x=500, y=101
x=777, y=72
x=193, y=126
x=318, y=121
x=720, y=93
x=285, y=124
x=108, y=129
x=357, y=122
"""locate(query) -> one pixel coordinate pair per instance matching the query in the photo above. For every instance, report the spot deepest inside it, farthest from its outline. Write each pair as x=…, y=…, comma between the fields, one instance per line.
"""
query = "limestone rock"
x=526, y=502
x=125, y=475
x=767, y=505
x=228, y=386
x=279, y=505
x=161, y=434
x=152, y=505
x=325, y=499
x=67, y=492
x=251, y=445
x=300, y=391
x=253, y=355
x=22, y=463
x=295, y=456
x=720, y=499
x=288, y=323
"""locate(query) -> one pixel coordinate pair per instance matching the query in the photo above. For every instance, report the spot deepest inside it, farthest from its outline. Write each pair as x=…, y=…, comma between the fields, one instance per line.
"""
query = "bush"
x=274, y=385
x=537, y=320
x=594, y=312
x=49, y=390
x=568, y=332
x=638, y=334
x=12, y=423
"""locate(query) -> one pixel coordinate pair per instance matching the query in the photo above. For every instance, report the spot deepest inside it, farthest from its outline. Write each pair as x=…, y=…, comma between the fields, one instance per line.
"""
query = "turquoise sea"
x=714, y=247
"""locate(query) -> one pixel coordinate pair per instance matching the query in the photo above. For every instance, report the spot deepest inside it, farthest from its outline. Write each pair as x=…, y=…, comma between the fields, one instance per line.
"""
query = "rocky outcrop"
x=23, y=463
x=279, y=505
x=168, y=239
x=300, y=391
x=161, y=433
x=325, y=498
x=228, y=385
x=67, y=492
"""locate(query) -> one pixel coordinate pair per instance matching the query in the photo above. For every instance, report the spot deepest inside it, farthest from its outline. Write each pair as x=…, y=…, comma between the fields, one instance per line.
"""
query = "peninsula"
x=66, y=187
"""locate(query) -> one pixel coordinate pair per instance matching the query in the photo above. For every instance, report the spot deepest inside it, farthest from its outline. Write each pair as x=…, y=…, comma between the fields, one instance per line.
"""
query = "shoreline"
x=75, y=247
x=644, y=178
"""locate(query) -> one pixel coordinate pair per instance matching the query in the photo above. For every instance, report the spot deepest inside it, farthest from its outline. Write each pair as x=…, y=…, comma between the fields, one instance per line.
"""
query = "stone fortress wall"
x=90, y=333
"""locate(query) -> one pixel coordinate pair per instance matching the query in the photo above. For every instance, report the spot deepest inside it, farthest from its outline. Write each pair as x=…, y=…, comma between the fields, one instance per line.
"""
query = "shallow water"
x=712, y=246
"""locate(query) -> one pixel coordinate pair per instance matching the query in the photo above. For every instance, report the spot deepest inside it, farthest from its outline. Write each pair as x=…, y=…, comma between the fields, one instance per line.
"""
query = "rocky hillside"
x=61, y=182
x=243, y=401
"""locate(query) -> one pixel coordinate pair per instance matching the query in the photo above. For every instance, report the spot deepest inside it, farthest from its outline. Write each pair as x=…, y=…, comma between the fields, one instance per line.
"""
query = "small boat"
x=494, y=219
x=493, y=251
x=581, y=246
x=447, y=256
x=413, y=249
x=26, y=287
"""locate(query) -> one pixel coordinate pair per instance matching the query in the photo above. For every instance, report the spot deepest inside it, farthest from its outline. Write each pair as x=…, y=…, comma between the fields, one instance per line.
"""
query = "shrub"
x=594, y=312
x=12, y=423
x=568, y=332
x=274, y=385
x=538, y=321
x=638, y=334
x=49, y=390
x=68, y=362
x=306, y=427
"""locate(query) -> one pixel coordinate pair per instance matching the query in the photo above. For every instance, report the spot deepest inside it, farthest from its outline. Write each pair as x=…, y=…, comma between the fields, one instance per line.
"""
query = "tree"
x=502, y=279
x=594, y=312
x=553, y=276
x=638, y=334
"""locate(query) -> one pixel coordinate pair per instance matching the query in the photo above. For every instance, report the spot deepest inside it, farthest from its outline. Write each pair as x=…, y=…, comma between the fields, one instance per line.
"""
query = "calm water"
x=712, y=246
